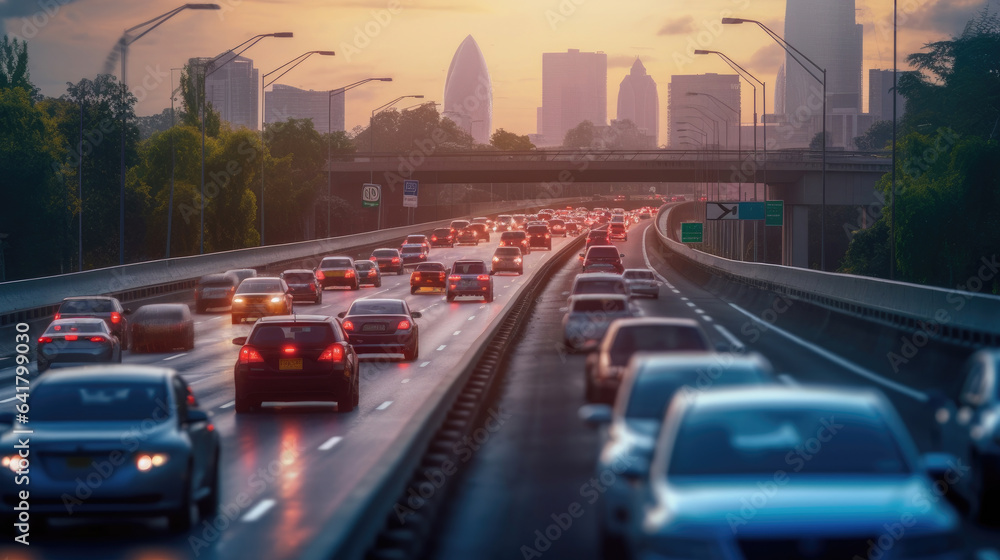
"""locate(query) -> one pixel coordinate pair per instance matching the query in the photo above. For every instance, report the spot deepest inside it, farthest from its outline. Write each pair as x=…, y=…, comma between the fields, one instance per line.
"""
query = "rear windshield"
x=410, y=249
x=602, y=253
x=469, y=268
x=638, y=274
x=364, y=265
x=430, y=267
x=259, y=286
x=601, y=286
x=507, y=252
x=415, y=238
x=223, y=283
x=304, y=335
x=459, y=224
x=442, y=231
x=86, y=306
x=335, y=263
x=512, y=235
x=299, y=277
x=556, y=223
x=597, y=235
x=363, y=307
x=161, y=313
x=68, y=328
x=538, y=229
x=654, y=338
x=384, y=253
x=98, y=401
x=606, y=305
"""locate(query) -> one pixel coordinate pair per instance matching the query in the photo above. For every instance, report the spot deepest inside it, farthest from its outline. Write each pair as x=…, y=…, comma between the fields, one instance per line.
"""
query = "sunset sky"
x=70, y=40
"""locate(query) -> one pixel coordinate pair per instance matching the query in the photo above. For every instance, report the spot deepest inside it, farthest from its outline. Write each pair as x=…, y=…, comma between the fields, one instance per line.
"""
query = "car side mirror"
x=342, y=314
x=195, y=415
x=622, y=255
x=240, y=340
x=416, y=314
x=595, y=415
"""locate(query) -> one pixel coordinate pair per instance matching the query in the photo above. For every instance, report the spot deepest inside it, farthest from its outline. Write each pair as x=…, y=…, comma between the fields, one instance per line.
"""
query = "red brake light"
x=371, y=272
x=288, y=349
x=58, y=315
x=403, y=325
x=312, y=287
x=333, y=353
x=116, y=317
x=416, y=276
x=320, y=275
x=454, y=278
x=44, y=339
x=395, y=259
x=434, y=238
x=349, y=274
x=483, y=277
x=249, y=355
x=348, y=326
x=373, y=258
x=98, y=339
x=71, y=337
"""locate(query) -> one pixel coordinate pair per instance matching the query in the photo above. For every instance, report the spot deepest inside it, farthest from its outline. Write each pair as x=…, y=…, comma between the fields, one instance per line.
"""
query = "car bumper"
x=382, y=343
x=261, y=309
x=337, y=281
x=507, y=267
x=272, y=385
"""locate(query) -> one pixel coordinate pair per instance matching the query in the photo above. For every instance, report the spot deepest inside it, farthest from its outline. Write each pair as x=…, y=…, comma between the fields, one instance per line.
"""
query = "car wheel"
x=346, y=402
x=243, y=404
x=237, y=319
x=319, y=297
x=378, y=283
x=190, y=341
x=209, y=505
x=119, y=355
x=357, y=391
x=520, y=270
x=450, y=298
x=413, y=290
x=399, y=272
x=489, y=297
x=179, y=520
x=410, y=355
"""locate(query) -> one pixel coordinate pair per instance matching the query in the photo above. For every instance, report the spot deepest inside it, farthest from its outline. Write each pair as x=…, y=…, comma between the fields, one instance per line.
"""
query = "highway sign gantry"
x=722, y=210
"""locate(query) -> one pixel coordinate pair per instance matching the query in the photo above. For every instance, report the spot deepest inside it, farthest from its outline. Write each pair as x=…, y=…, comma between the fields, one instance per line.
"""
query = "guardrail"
x=26, y=300
x=959, y=317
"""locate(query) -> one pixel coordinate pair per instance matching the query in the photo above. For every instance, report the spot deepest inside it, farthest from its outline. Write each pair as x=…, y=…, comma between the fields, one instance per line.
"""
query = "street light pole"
x=371, y=158
x=173, y=158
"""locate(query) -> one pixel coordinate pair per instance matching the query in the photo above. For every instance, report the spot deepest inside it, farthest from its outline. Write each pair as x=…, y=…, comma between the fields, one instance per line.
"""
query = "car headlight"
x=276, y=300
x=147, y=461
x=238, y=300
x=14, y=462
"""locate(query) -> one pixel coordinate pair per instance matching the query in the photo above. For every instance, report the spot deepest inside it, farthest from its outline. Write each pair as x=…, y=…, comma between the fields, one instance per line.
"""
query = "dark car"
x=296, y=358
x=99, y=307
x=442, y=237
x=418, y=239
x=303, y=284
x=517, y=239
x=458, y=225
x=508, y=259
x=598, y=255
x=215, y=290
x=470, y=278
x=557, y=227
x=539, y=236
x=505, y=222
x=389, y=260
x=70, y=342
x=337, y=271
x=468, y=236
x=260, y=297
x=162, y=326
x=368, y=273
x=597, y=237
x=382, y=326
x=413, y=254
x=82, y=420
x=617, y=231
x=242, y=274
x=431, y=275
x=573, y=228
x=482, y=230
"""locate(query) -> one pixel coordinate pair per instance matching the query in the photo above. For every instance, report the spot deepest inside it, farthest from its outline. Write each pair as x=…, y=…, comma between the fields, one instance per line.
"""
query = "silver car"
x=793, y=472
x=641, y=281
x=588, y=317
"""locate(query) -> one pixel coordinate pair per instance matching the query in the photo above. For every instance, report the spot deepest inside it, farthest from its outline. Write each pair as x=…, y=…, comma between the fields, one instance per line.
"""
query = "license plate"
x=335, y=273
x=290, y=364
x=373, y=327
x=78, y=462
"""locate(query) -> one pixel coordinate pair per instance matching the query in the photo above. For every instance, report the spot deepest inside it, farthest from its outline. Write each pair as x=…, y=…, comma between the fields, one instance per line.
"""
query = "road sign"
x=751, y=210
x=371, y=195
x=410, y=190
x=691, y=232
x=722, y=210
x=775, y=213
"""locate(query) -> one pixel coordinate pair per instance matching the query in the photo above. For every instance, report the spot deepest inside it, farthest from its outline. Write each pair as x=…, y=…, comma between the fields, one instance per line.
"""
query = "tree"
x=178, y=148
x=296, y=171
x=158, y=122
x=876, y=138
x=232, y=175
x=192, y=98
x=14, y=66
x=508, y=141
x=816, y=144
x=420, y=130
x=580, y=136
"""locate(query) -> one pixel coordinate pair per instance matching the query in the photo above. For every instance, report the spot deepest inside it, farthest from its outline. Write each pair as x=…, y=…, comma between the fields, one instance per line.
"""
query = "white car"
x=641, y=281
x=588, y=317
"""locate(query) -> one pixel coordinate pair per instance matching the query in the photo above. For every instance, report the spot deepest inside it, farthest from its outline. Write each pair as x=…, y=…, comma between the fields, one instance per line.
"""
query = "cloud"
x=944, y=16
x=677, y=26
x=768, y=57
x=10, y=9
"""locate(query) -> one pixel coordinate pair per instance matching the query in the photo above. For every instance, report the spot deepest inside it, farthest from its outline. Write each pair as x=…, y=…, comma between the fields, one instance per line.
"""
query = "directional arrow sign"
x=722, y=210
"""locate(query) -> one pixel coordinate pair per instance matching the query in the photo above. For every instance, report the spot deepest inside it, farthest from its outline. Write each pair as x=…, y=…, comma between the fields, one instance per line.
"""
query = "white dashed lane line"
x=384, y=405
x=699, y=311
x=456, y=333
x=675, y=291
x=258, y=511
x=425, y=364
x=471, y=318
x=684, y=299
x=706, y=318
x=733, y=341
x=175, y=356
x=690, y=304
x=407, y=380
x=328, y=444
x=442, y=347
x=228, y=404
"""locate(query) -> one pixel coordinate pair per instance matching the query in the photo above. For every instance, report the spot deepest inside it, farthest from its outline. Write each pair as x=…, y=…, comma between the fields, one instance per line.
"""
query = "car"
x=642, y=281
x=519, y=220
x=482, y=231
x=368, y=273
x=645, y=215
x=469, y=278
x=599, y=268
x=467, y=236
x=599, y=283
x=382, y=326
x=431, y=275
x=573, y=228
x=508, y=259
x=604, y=254
x=539, y=236
x=505, y=222
x=418, y=239
x=597, y=237
x=261, y=296
x=86, y=427
x=304, y=284
x=215, y=290
x=517, y=239
x=557, y=227
x=442, y=237
x=588, y=317
x=485, y=221
x=606, y=364
x=100, y=307
x=807, y=452
x=389, y=260
x=80, y=340
x=633, y=421
x=413, y=254
x=241, y=274
x=296, y=358
x=458, y=225
x=617, y=232
x=163, y=327
x=337, y=271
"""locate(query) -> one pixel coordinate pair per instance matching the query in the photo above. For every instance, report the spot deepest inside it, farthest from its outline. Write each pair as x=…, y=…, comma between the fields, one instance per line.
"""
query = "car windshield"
x=299, y=277
x=415, y=239
x=469, y=268
x=385, y=253
x=638, y=275
x=603, y=253
x=335, y=263
x=538, y=229
x=259, y=286
x=597, y=305
x=513, y=235
x=602, y=286
x=411, y=249
x=652, y=390
x=269, y=336
x=655, y=338
x=760, y=441
x=86, y=306
x=160, y=313
x=444, y=231
x=507, y=252
x=74, y=327
x=99, y=401
x=375, y=307
x=430, y=267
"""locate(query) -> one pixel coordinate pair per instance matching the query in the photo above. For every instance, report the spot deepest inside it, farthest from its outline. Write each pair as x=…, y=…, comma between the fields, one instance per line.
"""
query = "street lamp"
x=371, y=130
x=329, y=140
x=173, y=157
x=205, y=73
x=124, y=43
x=792, y=52
x=263, y=116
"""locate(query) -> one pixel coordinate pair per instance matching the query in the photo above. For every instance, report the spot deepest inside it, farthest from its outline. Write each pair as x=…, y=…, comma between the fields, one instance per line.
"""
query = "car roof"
x=76, y=298
x=294, y=319
x=656, y=363
x=469, y=261
x=337, y=257
x=113, y=372
x=412, y=246
x=658, y=321
x=84, y=320
x=855, y=399
x=297, y=271
x=162, y=306
x=435, y=263
x=580, y=297
x=215, y=277
x=587, y=276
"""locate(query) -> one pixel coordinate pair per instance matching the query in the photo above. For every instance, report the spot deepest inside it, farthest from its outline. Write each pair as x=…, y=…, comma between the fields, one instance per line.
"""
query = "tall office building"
x=880, y=92
x=232, y=89
x=703, y=110
x=287, y=102
x=639, y=102
x=779, y=92
x=574, y=89
x=468, y=92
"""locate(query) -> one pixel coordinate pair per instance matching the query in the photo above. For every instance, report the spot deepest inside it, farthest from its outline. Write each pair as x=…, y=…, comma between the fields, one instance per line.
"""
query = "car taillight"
x=98, y=339
x=320, y=275
x=371, y=272
x=434, y=238
x=44, y=339
x=288, y=349
x=58, y=315
x=483, y=277
x=496, y=259
x=403, y=325
x=333, y=353
x=546, y=236
x=116, y=317
x=373, y=259
x=348, y=326
x=395, y=260
x=312, y=287
x=250, y=355
x=517, y=260
x=454, y=278
x=416, y=276
x=71, y=337
x=349, y=274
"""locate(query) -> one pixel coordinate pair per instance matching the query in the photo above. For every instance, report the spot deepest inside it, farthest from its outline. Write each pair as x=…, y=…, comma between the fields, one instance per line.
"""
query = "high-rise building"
x=287, y=102
x=574, y=89
x=468, y=92
x=639, y=102
x=880, y=90
x=779, y=92
x=703, y=110
x=232, y=89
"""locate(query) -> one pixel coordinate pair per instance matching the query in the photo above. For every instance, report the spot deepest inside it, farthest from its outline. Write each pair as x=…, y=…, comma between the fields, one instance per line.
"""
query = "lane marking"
x=733, y=341
x=228, y=404
x=199, y=380
x=684, y=299
x=175, y=356
x=471, y=318
x=788, y=380
x=328, y=444
x=425, y=364
x=456, y=333
x=442, y=347
x=846, y=364
x=699, y=311
x=8, y=400
x=645, y=257
x=196, y=322
x=216, y=318
x=407, y=380
x=675, y=291
x=384, y=405
x=690, y=304
x=707, y=318
x=258, y=511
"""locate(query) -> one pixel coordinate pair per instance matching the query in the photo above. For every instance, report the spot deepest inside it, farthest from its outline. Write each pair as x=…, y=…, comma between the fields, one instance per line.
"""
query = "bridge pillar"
x=797, y=235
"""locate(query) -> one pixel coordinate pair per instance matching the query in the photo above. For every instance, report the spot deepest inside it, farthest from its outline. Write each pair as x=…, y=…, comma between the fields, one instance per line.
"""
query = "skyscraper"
x=468, y=92
x=880, y=96
x=285, y=102
x=639, y=102
x=704, y=110
x=574, y=89
x=232, y=90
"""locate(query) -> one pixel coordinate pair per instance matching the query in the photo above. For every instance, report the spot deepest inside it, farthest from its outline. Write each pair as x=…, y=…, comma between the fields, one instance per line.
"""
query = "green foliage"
x=878, y=137
x=193, y=102
x=420, y=129
x=158, y=122
x=580, y=136
x=621, y=135
x=14, y=66
x=816, y=144
x=508, y=141
x=296, y=172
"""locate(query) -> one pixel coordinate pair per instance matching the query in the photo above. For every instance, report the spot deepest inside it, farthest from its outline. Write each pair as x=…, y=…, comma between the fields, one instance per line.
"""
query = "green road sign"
x=775, y=213
x=751, y=210
x=371, y=195
x=691, y=232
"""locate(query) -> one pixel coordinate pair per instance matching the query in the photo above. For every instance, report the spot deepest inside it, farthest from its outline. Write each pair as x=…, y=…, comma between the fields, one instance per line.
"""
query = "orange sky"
x=415, y=44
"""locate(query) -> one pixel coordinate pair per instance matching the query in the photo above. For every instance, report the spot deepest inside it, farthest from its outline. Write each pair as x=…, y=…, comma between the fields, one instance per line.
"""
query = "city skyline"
x=639, y=101
x=468, y=92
